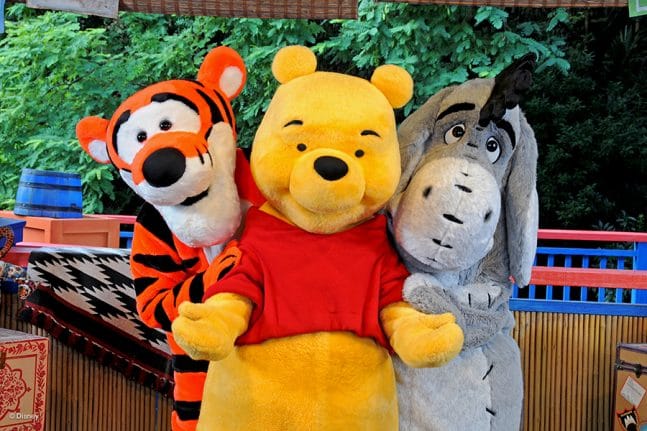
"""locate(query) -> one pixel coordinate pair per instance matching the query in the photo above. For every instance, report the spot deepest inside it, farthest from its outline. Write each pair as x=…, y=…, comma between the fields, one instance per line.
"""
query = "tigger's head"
x=173, y=143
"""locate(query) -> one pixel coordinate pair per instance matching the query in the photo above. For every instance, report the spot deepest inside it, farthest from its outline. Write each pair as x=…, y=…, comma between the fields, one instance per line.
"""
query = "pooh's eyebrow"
x=369, y=132
x=294, y=123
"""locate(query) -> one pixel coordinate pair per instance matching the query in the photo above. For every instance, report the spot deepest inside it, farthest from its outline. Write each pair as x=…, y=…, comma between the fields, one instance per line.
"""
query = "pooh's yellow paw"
x=421, y=346
x=208, y=331
x=422, y=340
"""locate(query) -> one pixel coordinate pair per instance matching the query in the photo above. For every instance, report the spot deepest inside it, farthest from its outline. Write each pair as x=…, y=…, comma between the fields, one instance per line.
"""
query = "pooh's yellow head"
x=326, y=154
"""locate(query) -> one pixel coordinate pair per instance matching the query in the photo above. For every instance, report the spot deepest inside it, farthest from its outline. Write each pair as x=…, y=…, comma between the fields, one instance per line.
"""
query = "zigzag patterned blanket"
x=85, y=297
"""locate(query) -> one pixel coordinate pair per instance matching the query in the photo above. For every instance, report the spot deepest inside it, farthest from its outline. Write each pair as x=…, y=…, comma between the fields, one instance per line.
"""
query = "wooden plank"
x=523, y=3
x=592, y=277
x=105, y=8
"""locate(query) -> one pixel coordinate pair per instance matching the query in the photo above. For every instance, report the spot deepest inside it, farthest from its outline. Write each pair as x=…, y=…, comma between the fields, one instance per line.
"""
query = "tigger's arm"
x=164, y=276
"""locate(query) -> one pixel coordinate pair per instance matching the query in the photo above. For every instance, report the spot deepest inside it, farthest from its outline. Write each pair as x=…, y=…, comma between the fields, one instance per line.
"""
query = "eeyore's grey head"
x=469, y=163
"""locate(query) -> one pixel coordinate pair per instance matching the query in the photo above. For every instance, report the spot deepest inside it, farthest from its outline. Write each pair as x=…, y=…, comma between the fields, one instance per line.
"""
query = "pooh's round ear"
x=293, y=61
x=223, y=69
x=395, y=83
x=92, y=134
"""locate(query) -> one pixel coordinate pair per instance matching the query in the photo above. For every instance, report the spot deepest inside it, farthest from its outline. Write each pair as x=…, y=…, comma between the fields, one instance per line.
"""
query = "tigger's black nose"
x=164, y=167
x=331, y=168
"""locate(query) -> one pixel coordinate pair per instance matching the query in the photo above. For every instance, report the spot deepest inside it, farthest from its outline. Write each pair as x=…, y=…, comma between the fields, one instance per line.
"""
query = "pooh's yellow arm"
x=208, y=331
x=421, y=340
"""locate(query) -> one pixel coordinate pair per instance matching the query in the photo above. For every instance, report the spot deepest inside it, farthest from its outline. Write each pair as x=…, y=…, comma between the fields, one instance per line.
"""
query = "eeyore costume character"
x=465, y=222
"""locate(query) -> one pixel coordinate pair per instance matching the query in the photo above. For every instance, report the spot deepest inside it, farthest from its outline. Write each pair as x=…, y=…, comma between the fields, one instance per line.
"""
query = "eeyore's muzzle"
x=457, y=204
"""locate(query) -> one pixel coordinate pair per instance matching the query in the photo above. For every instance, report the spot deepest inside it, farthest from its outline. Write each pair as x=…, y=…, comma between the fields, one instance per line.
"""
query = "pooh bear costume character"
x=299, y=331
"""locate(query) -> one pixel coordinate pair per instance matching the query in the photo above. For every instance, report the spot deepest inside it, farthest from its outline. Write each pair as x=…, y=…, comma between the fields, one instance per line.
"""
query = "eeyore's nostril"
x=164, y=167
x=452, y=218
x=330, y=168
x=463, y=188
x=426, y=192
x=487, y=216
x=440, y=243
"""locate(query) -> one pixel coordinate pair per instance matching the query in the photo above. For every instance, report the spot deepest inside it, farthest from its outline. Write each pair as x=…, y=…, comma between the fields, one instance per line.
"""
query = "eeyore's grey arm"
x=427, y=294
x=481, y=309
x=485, y=310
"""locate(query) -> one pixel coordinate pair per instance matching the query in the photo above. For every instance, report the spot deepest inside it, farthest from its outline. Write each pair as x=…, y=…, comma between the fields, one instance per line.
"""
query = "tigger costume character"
x=299, y=331
x=174, y=144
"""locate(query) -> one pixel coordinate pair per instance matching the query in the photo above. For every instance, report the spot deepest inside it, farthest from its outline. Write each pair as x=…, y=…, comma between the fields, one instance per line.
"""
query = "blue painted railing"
x=606, y=276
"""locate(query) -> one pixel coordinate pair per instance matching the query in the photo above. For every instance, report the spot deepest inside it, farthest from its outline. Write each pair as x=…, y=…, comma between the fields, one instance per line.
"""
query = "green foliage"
x=591, y=127
x=56, y=68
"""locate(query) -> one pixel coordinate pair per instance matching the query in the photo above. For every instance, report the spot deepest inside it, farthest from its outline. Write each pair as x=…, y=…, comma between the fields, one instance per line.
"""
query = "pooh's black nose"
x=331, y=168
x=164, y=167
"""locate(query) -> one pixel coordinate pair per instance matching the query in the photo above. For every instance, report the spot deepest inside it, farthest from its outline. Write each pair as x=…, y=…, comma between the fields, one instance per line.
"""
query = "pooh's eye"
x=302, y=147
x=455, y=133
x=141, y=136
x=359, y=153
x=493, y=149
x=165, y=125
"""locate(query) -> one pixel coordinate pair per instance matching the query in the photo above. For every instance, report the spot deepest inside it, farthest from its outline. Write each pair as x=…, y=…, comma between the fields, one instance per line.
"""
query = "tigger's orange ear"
x=223, y=69
x=92, y=134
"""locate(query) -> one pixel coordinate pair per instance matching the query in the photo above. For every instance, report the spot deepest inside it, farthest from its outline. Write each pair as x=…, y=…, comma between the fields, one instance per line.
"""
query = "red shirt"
x=302, y=282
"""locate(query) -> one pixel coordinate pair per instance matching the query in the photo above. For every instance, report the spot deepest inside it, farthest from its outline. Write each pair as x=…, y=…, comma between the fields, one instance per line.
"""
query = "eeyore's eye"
x=455, y=133
x=493, y=149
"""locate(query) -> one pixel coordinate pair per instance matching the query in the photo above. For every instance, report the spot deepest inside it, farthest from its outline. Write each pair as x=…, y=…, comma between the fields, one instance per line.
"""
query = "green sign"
x=637, y=7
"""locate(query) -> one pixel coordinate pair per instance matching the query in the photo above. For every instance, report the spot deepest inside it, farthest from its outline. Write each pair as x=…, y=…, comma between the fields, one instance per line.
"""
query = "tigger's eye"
x=141, y=136
x=165, y=125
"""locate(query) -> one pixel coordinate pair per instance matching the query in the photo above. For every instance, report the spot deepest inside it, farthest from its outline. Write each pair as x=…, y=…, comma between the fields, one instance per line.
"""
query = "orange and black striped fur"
x=174, y=144
x=168, y=272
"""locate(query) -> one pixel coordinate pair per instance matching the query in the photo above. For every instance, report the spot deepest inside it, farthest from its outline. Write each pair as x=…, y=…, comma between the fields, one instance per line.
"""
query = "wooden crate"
x=87, y=231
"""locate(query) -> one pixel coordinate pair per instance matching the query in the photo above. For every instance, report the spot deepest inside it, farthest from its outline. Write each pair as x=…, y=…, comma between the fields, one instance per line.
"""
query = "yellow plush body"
x=319, y=381
x=332, y=380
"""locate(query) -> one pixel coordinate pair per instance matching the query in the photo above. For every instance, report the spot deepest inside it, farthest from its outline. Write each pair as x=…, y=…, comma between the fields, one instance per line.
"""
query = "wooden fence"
x=567, y=359
x=568, y=366
x=83, y=395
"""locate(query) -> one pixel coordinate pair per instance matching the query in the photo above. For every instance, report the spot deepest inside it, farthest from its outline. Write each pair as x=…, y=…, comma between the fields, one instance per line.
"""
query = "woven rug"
x=85, y=298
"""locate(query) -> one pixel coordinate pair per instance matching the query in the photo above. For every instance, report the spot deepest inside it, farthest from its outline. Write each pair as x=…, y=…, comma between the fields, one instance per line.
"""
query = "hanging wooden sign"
x=106, y=8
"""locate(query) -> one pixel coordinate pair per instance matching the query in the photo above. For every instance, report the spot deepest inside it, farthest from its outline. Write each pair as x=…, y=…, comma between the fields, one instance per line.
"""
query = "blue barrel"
x=49, y=194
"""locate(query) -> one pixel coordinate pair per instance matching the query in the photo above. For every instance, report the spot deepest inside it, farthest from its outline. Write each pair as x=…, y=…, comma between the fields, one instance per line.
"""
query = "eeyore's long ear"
x=521, y=205
x=509, y=86
x=415, y=133
x=520, y=197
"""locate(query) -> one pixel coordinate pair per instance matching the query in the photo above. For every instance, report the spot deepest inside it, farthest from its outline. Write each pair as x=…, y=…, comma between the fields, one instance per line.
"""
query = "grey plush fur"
x=465, y=221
